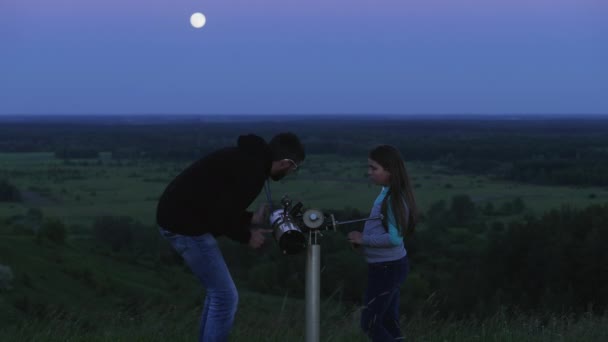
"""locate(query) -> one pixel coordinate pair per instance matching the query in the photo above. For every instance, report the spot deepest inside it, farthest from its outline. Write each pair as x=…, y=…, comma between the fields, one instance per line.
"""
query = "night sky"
x=300, y=57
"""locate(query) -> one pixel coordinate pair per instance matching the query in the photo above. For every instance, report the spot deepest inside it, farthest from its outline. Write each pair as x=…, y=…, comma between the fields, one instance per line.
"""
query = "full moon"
x=198, y=20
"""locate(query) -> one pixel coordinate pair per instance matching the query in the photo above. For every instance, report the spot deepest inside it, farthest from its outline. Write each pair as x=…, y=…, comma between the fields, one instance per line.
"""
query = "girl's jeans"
x=380, y=315
x=203, y=257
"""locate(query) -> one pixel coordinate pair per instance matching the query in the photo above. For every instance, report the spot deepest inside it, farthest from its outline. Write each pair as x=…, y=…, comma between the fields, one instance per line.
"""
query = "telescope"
x=291, y=225
x=296, y=230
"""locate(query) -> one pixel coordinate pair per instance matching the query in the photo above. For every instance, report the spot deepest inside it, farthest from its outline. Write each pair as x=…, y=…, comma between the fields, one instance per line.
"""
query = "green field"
x=79, y=190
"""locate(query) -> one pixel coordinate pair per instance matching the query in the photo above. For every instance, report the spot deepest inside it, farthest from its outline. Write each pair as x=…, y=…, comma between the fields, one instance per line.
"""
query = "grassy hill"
x=67, y=292
x=75, y=292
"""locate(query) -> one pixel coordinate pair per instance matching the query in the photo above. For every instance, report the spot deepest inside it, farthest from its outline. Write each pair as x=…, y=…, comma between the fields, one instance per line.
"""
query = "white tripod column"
x=313, y=288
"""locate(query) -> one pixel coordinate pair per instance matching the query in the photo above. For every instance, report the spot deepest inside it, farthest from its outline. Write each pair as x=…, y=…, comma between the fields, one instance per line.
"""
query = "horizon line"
x=301, y=114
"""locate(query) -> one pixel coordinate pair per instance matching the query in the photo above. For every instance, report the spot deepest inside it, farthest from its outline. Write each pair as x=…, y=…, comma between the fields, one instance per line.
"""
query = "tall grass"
x=260, y=319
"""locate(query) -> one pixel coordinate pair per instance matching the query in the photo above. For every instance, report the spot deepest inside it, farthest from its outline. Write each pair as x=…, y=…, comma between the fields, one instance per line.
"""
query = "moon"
x=198, y=20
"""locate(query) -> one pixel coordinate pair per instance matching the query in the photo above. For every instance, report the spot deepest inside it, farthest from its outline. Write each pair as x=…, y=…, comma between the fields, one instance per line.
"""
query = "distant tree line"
x=566, y=151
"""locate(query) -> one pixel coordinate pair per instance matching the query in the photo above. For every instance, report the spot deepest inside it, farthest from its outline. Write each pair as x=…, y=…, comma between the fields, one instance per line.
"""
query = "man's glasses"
x=295, y=166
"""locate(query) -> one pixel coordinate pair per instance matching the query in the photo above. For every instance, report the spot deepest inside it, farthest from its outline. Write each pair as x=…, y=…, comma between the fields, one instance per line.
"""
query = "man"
x=209, y=199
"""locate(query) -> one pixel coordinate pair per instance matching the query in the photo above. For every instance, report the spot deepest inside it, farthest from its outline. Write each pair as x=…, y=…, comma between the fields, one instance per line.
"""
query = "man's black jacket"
x=213, y=194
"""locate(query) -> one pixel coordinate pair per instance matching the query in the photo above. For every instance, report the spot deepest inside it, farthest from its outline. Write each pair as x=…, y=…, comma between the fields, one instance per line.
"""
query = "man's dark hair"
x=287, y=146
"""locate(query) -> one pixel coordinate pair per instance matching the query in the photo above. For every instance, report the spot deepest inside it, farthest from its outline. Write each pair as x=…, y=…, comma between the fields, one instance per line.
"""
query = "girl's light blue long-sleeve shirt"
x=380, y=245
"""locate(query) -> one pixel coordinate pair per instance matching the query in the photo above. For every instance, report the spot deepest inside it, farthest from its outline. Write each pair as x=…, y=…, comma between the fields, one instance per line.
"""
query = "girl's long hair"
x=400, y=188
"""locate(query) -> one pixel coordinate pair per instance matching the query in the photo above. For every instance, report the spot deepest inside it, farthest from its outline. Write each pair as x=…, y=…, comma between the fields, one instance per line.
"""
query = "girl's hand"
x=355, y=237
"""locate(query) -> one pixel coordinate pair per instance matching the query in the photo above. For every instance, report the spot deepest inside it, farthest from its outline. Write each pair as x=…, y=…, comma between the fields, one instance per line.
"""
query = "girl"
x=382, y=242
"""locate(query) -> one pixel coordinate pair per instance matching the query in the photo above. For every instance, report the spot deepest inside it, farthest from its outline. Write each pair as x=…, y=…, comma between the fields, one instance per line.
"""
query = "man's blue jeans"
x=204, y=258
x=380, y=315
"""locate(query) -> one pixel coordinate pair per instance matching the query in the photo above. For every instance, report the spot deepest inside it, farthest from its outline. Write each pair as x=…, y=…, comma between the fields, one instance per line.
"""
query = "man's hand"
x=261, y=215
x=257, y=237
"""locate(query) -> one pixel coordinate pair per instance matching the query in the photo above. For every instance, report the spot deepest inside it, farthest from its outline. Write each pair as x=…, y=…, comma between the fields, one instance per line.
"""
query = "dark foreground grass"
x=265, y=318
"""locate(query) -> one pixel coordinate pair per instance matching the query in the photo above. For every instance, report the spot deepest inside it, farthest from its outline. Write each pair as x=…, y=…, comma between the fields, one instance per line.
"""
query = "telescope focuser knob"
x=313, y=218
